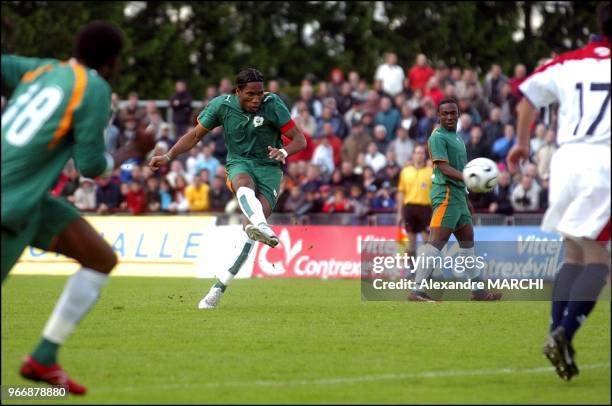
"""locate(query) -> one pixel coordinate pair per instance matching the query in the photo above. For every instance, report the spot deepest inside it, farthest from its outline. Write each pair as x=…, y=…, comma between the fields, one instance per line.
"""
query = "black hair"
x=603, y=18
x=97, y=43
x=248, y=75
x=448, y=100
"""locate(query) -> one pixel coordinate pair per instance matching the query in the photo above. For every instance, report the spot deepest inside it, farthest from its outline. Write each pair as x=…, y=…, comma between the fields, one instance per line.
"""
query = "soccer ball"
x=480, y=175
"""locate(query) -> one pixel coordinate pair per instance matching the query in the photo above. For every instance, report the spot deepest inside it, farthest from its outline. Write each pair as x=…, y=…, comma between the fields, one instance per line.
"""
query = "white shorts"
x=579, y=194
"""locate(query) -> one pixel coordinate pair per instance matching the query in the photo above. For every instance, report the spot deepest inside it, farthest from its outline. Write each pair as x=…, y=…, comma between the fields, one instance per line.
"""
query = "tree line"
x=204, y=42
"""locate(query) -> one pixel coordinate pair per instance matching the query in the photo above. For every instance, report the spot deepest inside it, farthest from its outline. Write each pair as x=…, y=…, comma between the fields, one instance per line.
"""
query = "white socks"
x=241, y=248
x=80, y=293
x=250, y=205
x=423, y=271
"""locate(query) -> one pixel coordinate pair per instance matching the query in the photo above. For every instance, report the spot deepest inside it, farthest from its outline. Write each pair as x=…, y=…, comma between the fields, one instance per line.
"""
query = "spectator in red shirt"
x=520, y=72
x=420, y=73
x=135, y=198
x=338, y=204
x=433, y=90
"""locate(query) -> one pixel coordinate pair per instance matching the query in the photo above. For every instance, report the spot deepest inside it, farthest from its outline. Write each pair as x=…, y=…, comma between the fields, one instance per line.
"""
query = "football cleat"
x=421, y=297
x=560, y=353
x=484, y=296
x=53, y=375
x=262, y=233
x=212, y=298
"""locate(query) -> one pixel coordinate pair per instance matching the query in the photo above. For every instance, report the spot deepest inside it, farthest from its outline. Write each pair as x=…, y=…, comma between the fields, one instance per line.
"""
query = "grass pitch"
x=301, y=341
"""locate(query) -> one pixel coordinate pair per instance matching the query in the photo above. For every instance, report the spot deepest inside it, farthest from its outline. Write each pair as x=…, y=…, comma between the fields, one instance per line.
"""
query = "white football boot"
x=262, y=233
x=212, y=298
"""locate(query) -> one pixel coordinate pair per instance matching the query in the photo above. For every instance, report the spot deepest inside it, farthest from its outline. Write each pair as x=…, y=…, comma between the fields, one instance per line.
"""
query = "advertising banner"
x=145, y=246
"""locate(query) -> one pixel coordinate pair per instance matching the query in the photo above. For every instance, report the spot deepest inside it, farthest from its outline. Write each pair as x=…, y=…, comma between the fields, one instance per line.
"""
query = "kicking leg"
x=428, y=252
x=256, y=208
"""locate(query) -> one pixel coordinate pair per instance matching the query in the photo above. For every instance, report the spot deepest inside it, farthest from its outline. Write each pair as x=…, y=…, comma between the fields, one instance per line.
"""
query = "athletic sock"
x=562, y=287
x=426, y=257
x=250, y=205
x=80, y=293
x=583, y=297
x=240, y=252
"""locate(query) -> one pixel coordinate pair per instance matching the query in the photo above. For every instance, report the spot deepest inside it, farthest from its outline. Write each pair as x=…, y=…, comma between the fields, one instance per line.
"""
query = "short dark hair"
x=97, y=43
x=248, y=75
x=603, y=18
x=448, y=100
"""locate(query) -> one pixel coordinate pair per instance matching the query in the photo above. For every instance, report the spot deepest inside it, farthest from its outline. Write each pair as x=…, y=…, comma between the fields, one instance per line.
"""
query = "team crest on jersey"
x=257, y=121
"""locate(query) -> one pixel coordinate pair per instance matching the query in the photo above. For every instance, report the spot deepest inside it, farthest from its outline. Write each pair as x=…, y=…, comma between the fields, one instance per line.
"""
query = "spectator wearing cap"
x=375, y=159
x=390, y=76
x=419, y=73
x=387, y=116
x=85, y=196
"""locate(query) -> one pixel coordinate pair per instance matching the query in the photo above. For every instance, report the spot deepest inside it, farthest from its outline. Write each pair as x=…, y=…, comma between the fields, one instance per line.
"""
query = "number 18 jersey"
x=58, y=110
x=580, y=81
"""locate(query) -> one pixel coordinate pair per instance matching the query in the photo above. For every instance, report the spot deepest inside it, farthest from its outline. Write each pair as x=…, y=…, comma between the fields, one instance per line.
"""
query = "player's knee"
x=105, y=262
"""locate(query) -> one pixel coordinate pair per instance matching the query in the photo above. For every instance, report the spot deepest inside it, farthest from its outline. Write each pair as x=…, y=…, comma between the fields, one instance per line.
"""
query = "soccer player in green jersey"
x=59, y=110
x=451, y=207
x=253, y=122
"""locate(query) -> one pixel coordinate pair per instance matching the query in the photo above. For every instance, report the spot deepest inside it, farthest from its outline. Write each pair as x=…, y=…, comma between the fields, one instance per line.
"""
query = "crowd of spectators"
x=359, y=137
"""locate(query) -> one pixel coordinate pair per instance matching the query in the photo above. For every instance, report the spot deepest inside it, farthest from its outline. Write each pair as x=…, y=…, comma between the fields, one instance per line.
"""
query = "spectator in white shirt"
x=526, y=195
x=374, y=159
x=391, y=75
x=323, y=156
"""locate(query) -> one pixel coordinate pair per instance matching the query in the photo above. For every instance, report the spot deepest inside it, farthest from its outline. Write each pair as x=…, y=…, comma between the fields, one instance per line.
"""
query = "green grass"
x=146, y=342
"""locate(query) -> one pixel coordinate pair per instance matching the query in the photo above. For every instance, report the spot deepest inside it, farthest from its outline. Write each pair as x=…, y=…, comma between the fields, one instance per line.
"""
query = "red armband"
x=290, y=124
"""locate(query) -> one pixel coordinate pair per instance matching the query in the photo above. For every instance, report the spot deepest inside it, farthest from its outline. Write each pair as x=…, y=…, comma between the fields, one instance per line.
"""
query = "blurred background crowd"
x=360, y=132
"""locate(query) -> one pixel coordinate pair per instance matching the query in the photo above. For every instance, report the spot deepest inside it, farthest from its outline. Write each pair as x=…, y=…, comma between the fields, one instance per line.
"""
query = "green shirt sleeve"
x=14, y=67
x=209, y=117
x=89, y=123
x=280, y=113
x=437, y=148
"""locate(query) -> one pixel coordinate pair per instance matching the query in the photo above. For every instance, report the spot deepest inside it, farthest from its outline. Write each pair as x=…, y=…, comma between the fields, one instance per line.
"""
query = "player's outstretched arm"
x=297, y=144
x=184, y=144
x=520, y=151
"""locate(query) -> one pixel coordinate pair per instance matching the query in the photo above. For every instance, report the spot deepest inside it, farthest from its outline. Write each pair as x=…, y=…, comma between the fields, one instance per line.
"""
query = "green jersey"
x=248, y=135
x=446, y=146
x=58, y=110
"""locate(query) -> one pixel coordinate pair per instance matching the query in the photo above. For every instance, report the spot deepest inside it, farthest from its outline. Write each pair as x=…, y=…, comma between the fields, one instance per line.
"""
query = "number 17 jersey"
x=580, y=81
